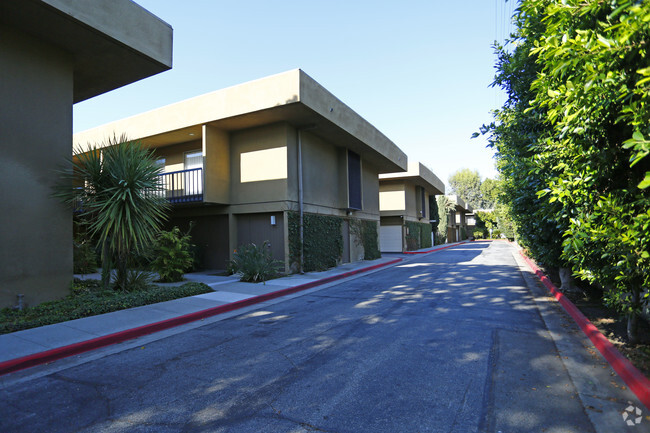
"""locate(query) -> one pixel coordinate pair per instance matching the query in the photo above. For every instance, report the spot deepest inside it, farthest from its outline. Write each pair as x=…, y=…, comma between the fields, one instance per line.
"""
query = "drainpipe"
x=300, y=203
x=301, y=196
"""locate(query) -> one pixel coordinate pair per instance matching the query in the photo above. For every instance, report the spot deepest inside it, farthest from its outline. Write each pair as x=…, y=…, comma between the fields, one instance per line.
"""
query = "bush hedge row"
x=89, y=299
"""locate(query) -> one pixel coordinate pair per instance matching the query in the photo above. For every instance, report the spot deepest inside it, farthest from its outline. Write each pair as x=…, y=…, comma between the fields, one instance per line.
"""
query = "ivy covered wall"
x=323, y=240
x=419, y=235
x=370, y=239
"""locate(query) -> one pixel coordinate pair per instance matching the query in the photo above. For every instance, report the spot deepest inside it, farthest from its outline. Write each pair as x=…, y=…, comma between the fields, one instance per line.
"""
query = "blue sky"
x=419, y=71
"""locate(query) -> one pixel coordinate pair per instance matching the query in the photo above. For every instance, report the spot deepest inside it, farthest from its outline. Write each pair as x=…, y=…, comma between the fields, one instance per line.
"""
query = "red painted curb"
x=129, y=334
x=635, y=380
x=430, y=251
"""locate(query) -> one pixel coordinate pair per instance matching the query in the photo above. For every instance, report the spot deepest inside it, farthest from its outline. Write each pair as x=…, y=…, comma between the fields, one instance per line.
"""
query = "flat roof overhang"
x=461, y=206
x=291, y=97
x=114, y=42
x=420, y=175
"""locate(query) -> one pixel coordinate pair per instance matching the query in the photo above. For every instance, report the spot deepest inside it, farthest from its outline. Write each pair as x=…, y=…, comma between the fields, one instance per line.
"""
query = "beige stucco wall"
x=392, y=198
x=175, y=155
x=370, y=191
x=253, y=97
x=414, y=207
x=251, y=140
x=316, y=97
x=321, y=169
x=114, y=42
x=290, y=96
x=36, y=82
x=137, y=28
x=216, y=156
x=410, y=209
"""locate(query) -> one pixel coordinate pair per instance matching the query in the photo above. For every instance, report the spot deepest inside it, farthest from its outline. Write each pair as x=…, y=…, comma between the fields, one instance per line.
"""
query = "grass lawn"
x=89, y=299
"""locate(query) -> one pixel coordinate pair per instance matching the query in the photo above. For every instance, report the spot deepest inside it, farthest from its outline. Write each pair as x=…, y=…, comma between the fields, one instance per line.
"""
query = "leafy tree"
x=572, y=144
x=115, y=186
x=490, y=191
x=466, y=184
x=488, y=220
x=515, y=135
x=594, y=85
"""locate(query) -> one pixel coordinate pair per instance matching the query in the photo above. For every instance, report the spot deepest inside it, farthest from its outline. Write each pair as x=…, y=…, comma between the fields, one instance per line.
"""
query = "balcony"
x=184, y=186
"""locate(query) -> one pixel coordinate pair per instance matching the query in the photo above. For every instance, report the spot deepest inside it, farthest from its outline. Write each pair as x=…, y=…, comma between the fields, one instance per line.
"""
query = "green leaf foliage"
x=323, y=240
x=466, y=184
x=369, y=239
x=419, y=235
x=571, y=139
x=445, y=206
x=172, y=257
x=254, y=264
x=88, y=298
x=114, y=187
x=83, y=255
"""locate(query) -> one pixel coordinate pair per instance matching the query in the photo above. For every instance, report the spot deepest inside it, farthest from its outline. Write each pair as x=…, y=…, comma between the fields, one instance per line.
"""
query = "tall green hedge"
x=572, y=142
x=323, y=241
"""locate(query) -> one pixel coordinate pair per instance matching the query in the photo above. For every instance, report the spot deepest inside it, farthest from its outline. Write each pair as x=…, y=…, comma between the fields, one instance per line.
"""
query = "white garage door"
x=390, y=239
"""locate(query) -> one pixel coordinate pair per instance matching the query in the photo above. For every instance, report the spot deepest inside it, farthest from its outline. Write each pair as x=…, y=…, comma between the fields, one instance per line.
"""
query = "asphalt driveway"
x=454, y=341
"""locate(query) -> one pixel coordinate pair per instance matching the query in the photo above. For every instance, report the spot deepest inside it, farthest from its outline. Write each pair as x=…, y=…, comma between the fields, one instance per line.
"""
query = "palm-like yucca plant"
x=115, y=189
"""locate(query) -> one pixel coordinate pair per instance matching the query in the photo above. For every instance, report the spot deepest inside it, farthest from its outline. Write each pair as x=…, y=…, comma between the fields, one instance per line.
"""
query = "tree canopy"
x=572, y=140
x=466, y=184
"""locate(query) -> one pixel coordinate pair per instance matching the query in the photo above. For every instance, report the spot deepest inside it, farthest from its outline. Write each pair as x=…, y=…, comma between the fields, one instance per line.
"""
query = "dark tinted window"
x=354, y=180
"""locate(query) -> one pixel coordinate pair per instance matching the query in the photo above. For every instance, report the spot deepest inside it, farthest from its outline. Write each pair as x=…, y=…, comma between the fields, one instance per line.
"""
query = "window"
x=193, y=165
x=193, y=160
x=420, y=199
x=354, y=181
x=160, y=191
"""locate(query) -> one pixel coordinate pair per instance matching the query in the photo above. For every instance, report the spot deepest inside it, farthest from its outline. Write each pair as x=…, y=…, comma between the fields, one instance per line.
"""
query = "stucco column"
x=36, y=88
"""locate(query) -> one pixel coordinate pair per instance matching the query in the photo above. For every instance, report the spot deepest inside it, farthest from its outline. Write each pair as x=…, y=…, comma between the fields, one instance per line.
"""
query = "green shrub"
x=172, y=255
x=323, y=241
x=254, y=264
x=496, y=234
x=88, y=298
x=463, y=233
x=83, y=256
x=478, y=234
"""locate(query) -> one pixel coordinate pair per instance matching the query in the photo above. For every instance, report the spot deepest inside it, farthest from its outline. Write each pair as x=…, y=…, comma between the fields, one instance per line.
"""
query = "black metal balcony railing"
x=184, y=186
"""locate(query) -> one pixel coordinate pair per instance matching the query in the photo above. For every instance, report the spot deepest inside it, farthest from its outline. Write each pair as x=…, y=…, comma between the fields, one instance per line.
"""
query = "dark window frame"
x=355, y=196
